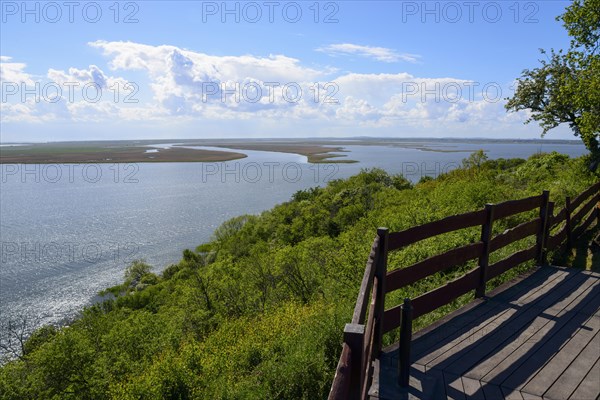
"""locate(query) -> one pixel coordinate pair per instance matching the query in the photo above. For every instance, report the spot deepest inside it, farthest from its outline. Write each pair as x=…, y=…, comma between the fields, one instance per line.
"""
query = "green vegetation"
x=585, y=253
x=258, y=312
x=566, y=87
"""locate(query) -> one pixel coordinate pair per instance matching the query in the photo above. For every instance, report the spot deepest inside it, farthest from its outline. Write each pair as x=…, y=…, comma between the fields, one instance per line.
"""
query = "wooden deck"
x=535, y=339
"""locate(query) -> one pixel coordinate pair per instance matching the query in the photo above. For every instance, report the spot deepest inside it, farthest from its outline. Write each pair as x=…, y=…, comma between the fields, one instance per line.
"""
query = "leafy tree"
x=230, y=228
x=425, y=178
x=566, y=87
x=38, y=338
x=475, y=160
x=13, y=342
x=135, y=272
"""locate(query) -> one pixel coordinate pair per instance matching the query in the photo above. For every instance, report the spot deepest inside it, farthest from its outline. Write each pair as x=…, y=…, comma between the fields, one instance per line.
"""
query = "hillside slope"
x=258, y=311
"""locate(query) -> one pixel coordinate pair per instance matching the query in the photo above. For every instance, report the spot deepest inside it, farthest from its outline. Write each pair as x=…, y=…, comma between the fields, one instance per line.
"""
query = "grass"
x=584, y=254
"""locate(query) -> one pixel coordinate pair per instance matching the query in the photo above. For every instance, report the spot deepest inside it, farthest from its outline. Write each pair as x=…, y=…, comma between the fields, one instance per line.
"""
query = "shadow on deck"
x=535, y=339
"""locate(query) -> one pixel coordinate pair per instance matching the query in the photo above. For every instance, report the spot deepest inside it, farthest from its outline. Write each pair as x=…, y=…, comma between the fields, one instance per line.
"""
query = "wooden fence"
x=363, y=335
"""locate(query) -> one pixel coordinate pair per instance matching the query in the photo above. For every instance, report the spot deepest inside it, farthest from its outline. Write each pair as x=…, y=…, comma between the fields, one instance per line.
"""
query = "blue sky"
x=193, y=69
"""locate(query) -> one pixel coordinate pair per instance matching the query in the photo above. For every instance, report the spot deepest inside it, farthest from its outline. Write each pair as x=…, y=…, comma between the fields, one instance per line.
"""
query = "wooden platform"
x=536, y=339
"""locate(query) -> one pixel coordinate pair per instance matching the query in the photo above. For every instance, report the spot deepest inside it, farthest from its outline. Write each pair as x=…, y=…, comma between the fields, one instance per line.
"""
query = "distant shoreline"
x=317, y=150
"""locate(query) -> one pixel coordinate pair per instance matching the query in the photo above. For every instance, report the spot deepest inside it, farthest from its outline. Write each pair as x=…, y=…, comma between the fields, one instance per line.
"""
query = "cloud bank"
x=170, y=84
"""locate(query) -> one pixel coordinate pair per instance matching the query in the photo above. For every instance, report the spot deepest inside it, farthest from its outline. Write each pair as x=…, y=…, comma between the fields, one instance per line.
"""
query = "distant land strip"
x=317, y=150
x=40, y=154
x=140, y=151
x=316, y=153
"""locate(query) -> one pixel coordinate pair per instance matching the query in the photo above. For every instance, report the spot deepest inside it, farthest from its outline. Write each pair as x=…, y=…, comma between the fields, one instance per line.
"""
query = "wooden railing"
x=370, y=321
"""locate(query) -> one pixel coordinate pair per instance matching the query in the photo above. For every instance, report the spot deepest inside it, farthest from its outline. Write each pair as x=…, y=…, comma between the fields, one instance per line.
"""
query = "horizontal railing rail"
x=445, y=225
x=370, y=320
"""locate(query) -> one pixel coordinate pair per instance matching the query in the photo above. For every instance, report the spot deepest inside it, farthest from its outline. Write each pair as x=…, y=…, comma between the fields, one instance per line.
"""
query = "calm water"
x=67, y=232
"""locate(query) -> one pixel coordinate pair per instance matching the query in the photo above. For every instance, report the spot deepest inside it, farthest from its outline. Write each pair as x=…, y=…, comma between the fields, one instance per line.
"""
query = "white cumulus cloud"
x=13, y=72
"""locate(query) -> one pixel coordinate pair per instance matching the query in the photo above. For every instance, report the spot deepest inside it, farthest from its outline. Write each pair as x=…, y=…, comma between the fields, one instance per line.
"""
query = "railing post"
x=486, y=234
x=568, y=227
x=380, y=273
x=549, y=223
x=598, y=213
x=541, y=236
x=404, y=348
x=354, y=335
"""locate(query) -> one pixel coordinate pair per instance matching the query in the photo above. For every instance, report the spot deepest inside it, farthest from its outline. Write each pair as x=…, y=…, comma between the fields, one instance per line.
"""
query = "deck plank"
x=464, y=322
x=560, y=277
x=572, y=377
x=480, y=328
x=536, y=347
x=491, y=391
x=510, y=394
x=556, y=366
x=529, y=396
x=472, y=389
x=538, y=358
x=589, y=388
x=454, y=386
x=524, y=341
x=502, y=328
